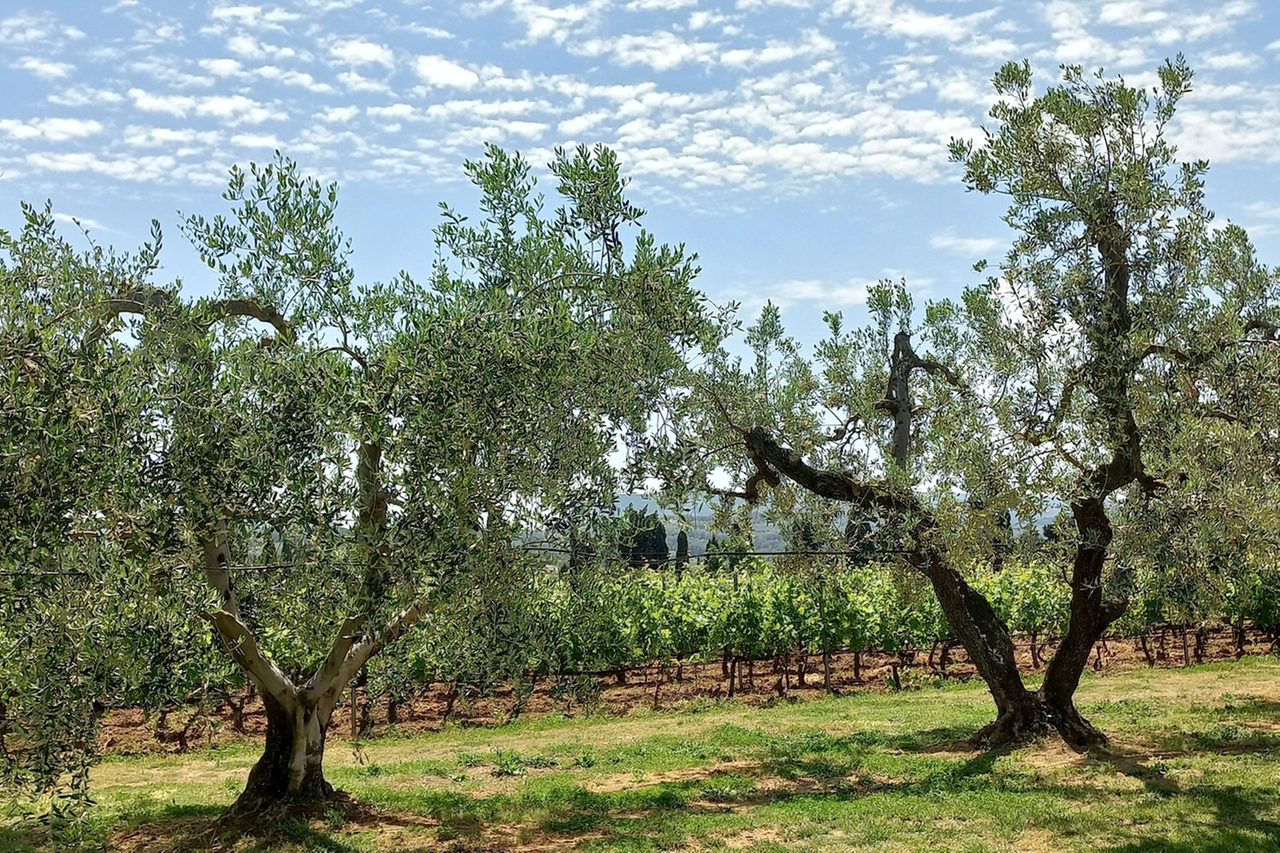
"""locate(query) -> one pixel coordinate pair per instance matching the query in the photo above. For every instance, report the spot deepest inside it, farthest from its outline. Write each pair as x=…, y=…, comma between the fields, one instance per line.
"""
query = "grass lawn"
x=1193, y=767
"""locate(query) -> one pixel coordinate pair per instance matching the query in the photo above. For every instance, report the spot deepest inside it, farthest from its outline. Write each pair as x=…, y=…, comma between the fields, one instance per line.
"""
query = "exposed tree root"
x=1034, y=721
x=264, y=816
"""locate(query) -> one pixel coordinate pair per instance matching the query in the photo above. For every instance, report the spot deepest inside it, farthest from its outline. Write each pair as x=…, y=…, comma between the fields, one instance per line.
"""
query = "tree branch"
x=397, y=627
x=223, y=308
x=323, y=679
x=1167, y=352
x=835, y=485
x=244, y=651
x=841, y=431
x=1270, y=331
x=217, y=554
x=146, y=300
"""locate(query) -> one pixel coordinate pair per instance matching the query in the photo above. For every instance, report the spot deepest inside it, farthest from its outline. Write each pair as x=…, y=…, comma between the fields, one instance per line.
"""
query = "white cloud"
x=658, y=5
x=235, y=109
x=25, y=28
x=1231, y=133
x=230, y=109
x=45, y=68
x=968, y=246
x=700, y=20
x=828, y=294
x=222, y=67
x=85, y=222
x=178, y=105
x=813, y=44
x=397, y=112
x=580, y=124
x=52, y=129
x=436, y=70
x=661, y=51
x=356, y=82
x=253, y=17
x=290, y=77
x=339, y=115
x=185, y=139
x=429, y=32
x=256, y=140
x=251, y=48
x=1234, y=59
x=153, y=35
x=902, y=20
x=1076, y=45
x=82, y=96
x=360, y=52
x=1134, y=13
x=161, y=167
x=555, y=22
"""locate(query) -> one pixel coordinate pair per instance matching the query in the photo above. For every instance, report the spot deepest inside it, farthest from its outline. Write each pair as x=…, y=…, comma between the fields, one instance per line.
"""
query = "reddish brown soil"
x=128, y=731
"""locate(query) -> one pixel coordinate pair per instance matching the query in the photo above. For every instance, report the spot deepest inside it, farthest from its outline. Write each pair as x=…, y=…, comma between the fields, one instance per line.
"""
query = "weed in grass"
x=296, y=829
x=541, y=762
x=507, y=763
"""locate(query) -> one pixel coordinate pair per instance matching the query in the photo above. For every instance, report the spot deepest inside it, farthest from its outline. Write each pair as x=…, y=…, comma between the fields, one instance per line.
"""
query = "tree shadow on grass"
x=17, y=839
x=814, y=768
x=1236, y=828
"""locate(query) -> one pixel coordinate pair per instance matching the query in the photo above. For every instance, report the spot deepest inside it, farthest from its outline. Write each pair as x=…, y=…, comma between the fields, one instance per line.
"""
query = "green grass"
x=1193, y=767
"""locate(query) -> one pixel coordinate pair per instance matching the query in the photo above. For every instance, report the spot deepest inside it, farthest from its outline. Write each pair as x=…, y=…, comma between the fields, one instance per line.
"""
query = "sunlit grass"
x=1193, y=767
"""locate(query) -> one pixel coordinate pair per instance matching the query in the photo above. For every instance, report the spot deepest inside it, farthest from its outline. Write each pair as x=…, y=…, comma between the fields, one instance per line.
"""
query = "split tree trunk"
x=290, y=773
x=1091, y=616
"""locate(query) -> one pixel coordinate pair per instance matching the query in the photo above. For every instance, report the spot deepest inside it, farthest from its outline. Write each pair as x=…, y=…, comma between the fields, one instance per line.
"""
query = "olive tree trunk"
x=1020, y=713
x=1091, y=615
x=291, y=769
x=290, y=773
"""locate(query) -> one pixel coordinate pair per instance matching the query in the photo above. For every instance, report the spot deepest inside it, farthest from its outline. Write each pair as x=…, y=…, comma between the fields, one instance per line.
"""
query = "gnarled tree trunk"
x=1020, y=713
x=290, y=773
x=291, y=769
x=1091, y=616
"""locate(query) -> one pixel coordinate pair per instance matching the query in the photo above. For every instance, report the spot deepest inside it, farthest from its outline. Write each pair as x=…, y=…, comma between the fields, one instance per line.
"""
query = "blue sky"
x=799, y=146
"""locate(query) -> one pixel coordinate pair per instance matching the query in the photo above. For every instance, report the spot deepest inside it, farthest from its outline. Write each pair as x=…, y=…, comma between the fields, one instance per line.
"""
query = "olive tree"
x=896, y=436
x=1067, y=380
x=1109, y=318
x=383, y=446
x=67, y=400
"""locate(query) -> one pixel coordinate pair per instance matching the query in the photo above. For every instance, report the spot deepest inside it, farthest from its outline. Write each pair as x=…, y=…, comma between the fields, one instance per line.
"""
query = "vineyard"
x=757, y=612
x=647, y=638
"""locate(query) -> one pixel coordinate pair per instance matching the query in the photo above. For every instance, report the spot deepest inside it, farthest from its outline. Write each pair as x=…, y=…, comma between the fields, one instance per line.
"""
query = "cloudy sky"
x=798, y=145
